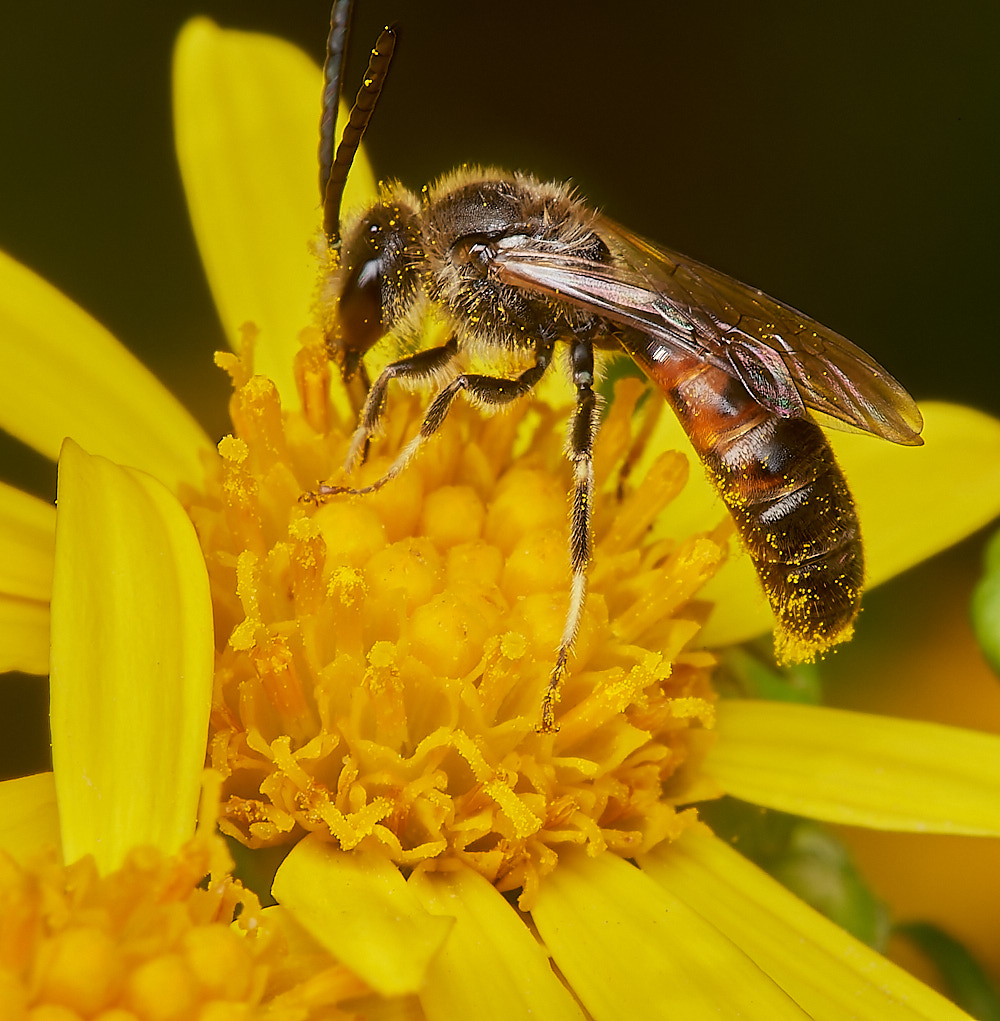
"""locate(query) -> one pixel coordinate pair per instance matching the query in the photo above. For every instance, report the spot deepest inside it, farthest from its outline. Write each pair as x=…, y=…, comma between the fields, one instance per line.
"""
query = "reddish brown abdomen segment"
x=787, y=496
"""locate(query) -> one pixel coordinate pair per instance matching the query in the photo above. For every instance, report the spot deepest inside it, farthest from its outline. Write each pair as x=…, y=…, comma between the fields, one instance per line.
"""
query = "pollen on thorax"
x=382, y=658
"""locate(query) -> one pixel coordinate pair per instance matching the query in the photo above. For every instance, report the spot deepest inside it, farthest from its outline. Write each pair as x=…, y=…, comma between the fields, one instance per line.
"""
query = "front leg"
x=413, y=370
x=489, y=391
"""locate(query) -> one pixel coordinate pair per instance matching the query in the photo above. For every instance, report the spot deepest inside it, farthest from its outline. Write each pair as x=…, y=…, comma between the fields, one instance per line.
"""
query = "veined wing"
x=785, y=359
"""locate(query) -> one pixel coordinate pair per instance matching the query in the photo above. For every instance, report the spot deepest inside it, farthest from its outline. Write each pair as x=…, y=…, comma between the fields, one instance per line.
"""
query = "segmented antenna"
x=333, y=170
x=333, y=73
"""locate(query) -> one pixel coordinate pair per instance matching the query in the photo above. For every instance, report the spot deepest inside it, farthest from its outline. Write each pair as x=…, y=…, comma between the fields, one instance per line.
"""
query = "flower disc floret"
x=383, y=656
x=164, y=938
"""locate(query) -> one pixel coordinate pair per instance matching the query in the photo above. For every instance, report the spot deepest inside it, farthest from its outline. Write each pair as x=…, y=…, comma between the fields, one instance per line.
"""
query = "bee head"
x=377, y=280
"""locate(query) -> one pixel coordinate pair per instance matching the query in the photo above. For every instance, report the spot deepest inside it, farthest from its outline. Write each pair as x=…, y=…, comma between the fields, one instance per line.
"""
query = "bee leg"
x=414, y=369
x=579, y=448
x=358, y=384
x=487, y=391
x=490, y=391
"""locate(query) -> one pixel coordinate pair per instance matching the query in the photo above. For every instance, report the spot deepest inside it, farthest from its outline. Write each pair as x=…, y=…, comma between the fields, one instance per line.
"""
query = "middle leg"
x=580, y=450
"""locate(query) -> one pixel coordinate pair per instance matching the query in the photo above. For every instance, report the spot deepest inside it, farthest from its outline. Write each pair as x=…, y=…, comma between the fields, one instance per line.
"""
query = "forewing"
x=785, y=359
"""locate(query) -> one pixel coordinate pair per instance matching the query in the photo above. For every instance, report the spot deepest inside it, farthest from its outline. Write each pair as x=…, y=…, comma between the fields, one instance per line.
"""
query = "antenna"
x=333, y=169
x=333, y=73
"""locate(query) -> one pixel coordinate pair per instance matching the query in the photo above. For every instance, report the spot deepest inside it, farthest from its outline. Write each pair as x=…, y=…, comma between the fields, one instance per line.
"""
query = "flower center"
x=153, y=939
x=382, y=657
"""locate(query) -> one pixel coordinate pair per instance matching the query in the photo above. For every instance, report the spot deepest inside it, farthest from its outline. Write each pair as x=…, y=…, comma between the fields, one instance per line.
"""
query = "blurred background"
x=842, y=157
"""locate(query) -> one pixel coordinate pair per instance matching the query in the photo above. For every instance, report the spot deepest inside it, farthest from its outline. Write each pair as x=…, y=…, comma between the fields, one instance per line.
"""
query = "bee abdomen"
x=801, y=530
x=791, y=506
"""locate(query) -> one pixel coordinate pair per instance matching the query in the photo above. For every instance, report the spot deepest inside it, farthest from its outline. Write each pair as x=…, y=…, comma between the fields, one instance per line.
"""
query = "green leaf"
x=986, y=606
x=964, y=978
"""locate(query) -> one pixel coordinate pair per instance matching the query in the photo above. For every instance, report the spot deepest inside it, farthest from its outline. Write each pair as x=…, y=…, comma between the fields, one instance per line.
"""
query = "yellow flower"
x=371, y=669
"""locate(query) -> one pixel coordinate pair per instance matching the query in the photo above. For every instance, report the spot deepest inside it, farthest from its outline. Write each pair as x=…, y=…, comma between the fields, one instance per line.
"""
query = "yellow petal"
x=491, y=966
x=326, y=981
x=916, y=501
x=62, y=374
x=740, y=610
x=829, y=973
x=246, y=111
x=629, y=949
x=857, y=768
x=361, y=909
x=28, y=810
x=24, y=635
x=132, y=660
x=378, y=1008
x=913, y=502
x=27, y=534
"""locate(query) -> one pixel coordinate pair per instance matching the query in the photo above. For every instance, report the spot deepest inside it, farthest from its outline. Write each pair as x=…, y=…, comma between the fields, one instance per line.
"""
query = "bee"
x=521, y=267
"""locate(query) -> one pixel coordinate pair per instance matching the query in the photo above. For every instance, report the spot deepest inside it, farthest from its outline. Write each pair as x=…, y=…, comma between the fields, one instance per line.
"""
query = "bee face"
x=378, y=278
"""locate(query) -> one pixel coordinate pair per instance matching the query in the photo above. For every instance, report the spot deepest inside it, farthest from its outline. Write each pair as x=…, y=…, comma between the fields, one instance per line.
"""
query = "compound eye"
x=360, y=309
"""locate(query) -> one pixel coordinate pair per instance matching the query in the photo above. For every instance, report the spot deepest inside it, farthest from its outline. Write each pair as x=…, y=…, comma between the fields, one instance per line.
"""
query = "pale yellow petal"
x=491, y=966
x=828, y=973
x=62, y=374
x=361, y=909
x=857, y=768
x=246, y=111
x=132, y=661
x=24, y=635
x=30, y=821
x=629, y=949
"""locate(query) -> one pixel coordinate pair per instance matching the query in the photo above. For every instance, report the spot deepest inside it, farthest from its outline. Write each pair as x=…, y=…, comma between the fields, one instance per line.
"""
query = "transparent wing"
x=785, y=359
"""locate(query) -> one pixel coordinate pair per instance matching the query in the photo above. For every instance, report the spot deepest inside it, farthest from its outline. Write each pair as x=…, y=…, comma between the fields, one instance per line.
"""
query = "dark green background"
x=841, y=156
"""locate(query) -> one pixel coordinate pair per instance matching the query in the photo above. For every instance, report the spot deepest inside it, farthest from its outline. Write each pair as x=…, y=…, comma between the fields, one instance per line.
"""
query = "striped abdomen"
x=787, y=496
